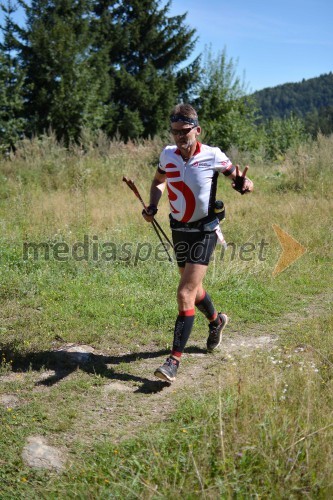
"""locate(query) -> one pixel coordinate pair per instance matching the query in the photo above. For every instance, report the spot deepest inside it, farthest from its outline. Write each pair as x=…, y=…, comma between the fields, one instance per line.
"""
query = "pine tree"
x=146, y=47
x=64, y=91
x=11, y=82
x=320, y=121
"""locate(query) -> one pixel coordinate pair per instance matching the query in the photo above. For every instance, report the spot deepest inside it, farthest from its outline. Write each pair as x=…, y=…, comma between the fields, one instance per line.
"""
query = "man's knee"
x=186, y=293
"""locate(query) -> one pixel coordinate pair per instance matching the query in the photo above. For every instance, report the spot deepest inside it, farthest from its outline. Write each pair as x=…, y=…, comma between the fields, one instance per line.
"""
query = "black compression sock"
x=205, y=305
x=182, y=330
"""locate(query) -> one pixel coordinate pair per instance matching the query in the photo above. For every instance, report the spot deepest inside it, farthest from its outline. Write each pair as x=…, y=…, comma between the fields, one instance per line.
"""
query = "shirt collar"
x=197, y=149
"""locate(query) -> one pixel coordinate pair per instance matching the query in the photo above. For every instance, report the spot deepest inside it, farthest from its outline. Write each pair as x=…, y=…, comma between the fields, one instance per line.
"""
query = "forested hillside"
x=79, y=67
x=310, y=99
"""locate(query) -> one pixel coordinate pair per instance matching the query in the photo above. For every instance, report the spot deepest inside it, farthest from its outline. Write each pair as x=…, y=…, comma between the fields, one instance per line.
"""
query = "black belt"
x=202, y=224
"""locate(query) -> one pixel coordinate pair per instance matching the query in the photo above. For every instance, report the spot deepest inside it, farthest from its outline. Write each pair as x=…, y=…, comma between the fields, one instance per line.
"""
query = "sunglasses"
x=182, y=132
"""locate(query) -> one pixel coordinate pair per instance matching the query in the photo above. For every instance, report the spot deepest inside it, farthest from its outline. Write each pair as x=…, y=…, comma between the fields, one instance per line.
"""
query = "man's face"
x=184, y=134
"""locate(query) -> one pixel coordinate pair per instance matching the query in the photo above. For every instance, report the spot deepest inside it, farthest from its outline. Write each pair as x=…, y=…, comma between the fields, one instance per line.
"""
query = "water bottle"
x=219, y=209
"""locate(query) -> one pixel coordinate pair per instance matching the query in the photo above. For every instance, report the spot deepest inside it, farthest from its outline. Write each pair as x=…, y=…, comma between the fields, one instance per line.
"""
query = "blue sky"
x=274, y=41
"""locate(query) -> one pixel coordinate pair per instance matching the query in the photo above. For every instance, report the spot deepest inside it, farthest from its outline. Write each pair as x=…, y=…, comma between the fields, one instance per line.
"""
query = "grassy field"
x=254, y=420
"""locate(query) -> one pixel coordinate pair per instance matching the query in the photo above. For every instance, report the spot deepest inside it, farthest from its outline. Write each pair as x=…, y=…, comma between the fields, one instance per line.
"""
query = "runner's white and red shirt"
x=191, y=183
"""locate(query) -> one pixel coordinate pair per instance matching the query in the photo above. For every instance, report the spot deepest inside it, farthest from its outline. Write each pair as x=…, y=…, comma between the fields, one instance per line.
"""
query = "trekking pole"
x=133, y=187
x=130, y=183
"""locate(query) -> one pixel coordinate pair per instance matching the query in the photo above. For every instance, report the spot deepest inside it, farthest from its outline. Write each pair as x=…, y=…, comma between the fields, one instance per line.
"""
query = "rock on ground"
x=38, y=454
x=9, y=401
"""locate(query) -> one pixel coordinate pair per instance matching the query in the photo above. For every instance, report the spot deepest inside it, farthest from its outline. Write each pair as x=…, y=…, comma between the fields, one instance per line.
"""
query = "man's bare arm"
x=156, y=190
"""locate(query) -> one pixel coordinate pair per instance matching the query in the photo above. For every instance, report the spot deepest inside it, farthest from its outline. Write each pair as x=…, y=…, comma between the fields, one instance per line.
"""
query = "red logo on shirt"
x=185, y=191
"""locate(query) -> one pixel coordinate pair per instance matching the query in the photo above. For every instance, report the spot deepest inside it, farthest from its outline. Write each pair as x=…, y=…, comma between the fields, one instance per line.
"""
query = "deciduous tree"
x=226, y=112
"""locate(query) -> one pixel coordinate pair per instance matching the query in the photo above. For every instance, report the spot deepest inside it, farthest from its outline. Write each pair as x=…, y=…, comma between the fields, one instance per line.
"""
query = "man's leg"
x=190, y=281
x=217, y=321
x=204, y=303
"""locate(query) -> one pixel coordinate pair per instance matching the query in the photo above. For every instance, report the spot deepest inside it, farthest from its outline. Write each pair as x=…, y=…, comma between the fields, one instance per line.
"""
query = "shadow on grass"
x=64, y=363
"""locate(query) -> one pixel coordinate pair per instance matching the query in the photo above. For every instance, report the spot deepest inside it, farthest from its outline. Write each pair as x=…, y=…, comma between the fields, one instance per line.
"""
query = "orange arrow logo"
x=291, y=250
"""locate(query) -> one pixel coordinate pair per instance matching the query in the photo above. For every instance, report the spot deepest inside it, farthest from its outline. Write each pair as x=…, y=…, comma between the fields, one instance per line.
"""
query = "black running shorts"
x=193, y=246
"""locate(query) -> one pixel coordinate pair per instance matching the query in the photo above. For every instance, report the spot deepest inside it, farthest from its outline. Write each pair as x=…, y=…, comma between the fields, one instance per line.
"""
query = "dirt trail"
x=132, y=399
x=129, y=403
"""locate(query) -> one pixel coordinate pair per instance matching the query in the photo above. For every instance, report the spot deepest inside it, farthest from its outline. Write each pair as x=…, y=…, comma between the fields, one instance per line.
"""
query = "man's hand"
x=241, y=183
x=149, y=212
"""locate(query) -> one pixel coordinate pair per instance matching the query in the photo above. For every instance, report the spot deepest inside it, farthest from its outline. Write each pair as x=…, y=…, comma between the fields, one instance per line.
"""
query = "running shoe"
x=215, y=333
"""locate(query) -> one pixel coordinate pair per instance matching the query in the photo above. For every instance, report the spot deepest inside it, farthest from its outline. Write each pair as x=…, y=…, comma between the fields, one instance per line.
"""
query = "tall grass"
x=84, y=195
x=265, y=431
x=263, y=427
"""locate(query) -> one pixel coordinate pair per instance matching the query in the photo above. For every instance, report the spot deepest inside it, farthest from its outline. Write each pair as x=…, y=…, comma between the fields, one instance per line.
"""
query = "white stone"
x=116, y=386
x=9, y=401
x=37, y=454
x=77, y=353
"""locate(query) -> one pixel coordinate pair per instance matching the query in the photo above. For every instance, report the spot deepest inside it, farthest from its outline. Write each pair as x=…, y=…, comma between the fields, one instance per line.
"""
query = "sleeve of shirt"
x=162, y=163
x=222, y=163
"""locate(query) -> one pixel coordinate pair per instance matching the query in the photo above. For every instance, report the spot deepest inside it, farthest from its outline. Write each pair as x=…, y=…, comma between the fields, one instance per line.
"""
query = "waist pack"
x=207, y=224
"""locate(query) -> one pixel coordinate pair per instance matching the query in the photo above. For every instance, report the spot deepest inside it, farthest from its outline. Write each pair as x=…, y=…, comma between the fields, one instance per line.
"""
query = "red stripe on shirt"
x=172, y=174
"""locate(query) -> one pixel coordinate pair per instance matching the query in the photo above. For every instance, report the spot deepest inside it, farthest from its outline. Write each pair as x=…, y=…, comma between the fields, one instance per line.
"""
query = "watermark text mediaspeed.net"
x=91, y=248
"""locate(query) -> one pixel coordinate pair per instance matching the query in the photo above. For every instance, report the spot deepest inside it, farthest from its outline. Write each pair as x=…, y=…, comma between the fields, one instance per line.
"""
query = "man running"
x=190, y=171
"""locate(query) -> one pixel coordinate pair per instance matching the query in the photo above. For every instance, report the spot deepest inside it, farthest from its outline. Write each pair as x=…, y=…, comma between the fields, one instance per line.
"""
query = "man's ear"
x=198, y=132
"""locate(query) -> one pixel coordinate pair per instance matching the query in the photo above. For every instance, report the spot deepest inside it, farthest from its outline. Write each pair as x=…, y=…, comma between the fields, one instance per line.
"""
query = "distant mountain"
x=298, y=98
x=309, y=99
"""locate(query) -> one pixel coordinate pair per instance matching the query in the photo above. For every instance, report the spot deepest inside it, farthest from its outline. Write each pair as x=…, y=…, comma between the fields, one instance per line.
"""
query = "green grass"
x=255, y=434
x=260, y=426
